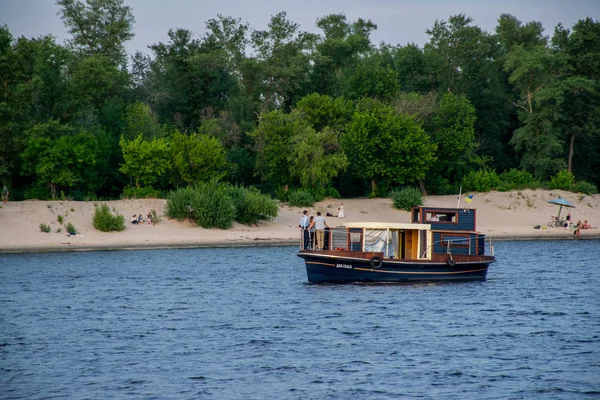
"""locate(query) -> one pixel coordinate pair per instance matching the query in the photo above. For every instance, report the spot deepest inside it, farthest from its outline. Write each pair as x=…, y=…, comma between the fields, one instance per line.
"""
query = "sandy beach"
x=503, y=215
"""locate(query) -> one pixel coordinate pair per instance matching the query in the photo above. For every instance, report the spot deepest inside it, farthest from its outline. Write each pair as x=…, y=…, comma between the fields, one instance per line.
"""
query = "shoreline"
x=501, y=215
x=256, y=242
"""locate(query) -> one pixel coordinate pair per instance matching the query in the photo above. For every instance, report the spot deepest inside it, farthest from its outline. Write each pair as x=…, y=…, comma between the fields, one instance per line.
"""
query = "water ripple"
x=171, y=324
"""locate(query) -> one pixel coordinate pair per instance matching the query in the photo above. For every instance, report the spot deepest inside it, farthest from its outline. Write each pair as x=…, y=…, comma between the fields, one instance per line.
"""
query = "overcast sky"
x=398, y=21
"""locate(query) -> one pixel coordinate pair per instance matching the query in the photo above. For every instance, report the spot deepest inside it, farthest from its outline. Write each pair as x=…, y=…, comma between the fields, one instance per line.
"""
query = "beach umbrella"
x=562, y=203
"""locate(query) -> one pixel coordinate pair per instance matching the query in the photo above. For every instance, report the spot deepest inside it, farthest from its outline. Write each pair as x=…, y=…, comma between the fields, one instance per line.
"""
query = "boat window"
x=441, y=216
x=455, y=240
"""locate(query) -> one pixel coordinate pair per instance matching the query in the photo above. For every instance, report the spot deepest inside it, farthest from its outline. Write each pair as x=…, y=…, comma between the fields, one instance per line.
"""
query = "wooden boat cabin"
x=433, y=234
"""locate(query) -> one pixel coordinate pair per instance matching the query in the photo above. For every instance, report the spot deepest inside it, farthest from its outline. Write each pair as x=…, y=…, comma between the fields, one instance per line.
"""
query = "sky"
x=399, y=21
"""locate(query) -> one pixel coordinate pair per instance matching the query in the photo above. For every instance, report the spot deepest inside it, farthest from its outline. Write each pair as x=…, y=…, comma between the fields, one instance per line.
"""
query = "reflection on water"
x=243, y=323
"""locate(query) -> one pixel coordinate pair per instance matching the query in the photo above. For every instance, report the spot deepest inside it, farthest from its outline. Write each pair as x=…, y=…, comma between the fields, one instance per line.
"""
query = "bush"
x=251, y=206
x=516, y=179
x=155, y=218
x=302, y=198
x=60, y=219
x=483, y=180
x=406, y=198
x=584, y=187
x=132, y=192
x=208, y=205
x=71, y=229
x=45, y=228
x=105, y=221
x=562, y=180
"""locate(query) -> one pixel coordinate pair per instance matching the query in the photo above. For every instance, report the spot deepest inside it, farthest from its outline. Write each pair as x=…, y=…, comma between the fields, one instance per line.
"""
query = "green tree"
x=145, y=160
x=578, y=95
x=62, y=161
x=453, y=132
x=383, y=144
x=534, y=74
x=316, y=157
x=99, y=27
x=197, y=158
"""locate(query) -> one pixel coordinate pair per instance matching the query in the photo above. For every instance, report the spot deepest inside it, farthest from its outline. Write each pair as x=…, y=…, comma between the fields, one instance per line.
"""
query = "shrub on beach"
x=406, y=198
x=483, y=180
x=45, y=228
x=105, y=221
x=584, y=187
x=133, y=192
x=207, y=205
x=516, y=179
x=302, y=198
x=71, y=229
x=563, y=180
x=213, y=205
x=251, y=206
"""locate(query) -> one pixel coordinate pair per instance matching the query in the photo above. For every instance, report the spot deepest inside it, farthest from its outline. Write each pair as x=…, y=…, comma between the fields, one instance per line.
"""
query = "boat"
x=438, y=245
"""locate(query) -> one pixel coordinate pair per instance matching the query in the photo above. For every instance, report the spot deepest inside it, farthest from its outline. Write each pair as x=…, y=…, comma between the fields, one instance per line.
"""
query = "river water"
x=243, y=323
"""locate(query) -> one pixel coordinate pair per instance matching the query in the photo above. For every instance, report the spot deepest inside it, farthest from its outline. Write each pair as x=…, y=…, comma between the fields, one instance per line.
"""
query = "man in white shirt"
x=341, y=213
x=304, y=226
x=320, y=225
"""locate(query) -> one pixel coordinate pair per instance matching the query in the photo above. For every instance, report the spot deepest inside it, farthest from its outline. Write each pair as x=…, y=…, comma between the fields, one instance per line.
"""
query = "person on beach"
x=569, y=223
x=149, y=218
x=5, y=194
x=577, y=230
x=304, y=226
x=320, y=225
x=140, y=219
x=134, y=219
x=341, y=211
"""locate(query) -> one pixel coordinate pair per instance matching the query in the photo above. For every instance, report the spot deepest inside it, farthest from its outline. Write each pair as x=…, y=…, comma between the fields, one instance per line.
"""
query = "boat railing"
x=342, y=239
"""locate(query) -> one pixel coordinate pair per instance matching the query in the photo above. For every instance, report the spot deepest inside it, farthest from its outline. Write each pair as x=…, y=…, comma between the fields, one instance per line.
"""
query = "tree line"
x=283, y=109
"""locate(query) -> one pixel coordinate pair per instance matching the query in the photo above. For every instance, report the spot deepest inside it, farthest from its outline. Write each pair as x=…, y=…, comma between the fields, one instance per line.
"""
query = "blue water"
x=244, y=323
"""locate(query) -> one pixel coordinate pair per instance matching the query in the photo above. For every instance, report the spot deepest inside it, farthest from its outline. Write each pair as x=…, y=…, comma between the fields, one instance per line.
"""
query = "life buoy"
x=450, y=262
x=375, y=262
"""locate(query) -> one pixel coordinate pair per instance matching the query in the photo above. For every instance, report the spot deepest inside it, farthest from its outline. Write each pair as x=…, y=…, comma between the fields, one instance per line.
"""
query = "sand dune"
x=509, y=215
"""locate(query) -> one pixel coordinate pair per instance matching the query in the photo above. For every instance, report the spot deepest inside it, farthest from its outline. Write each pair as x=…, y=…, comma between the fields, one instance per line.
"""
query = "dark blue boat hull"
x=330, y=269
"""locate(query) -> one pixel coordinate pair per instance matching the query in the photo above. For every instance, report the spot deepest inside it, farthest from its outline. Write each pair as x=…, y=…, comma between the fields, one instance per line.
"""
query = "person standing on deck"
x=320, y=225
x=341, y=211
x=304, y=226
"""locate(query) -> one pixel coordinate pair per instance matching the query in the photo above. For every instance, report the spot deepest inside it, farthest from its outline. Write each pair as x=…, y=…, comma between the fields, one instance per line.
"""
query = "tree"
x=283, y=62
x=578, y=93
x=272, y=143
x=534, y=73
x=453, y=132
x=197, y=158
x=316, y=157
x=99, y=27
x=145, y=160
x=380, y=143
x=60, y=161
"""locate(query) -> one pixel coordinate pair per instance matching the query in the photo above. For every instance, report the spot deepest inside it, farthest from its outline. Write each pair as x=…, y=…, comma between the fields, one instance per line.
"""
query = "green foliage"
x=563, y=180
x=197, y=158
x=105, y=221
x=207, y=205
x=60, y=162
x=155, y=217
x=251, y=206
x=45, y=228
x=483, y=180
x=516, y=179
x=584, y=187
x=383, y=144
x=60, y=219
x=133, y=192
x=37, y=193
x=71, y=228
x=145, y=161
x=406, y=198
x=302, y=198
x=315, y=158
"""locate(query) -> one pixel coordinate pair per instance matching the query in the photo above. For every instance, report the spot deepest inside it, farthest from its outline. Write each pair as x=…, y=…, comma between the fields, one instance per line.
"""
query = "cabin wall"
x=460, y=220
x=460, y=243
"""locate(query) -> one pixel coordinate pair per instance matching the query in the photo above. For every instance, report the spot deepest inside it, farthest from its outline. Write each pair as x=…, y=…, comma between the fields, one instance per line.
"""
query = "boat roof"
x=385, y=225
